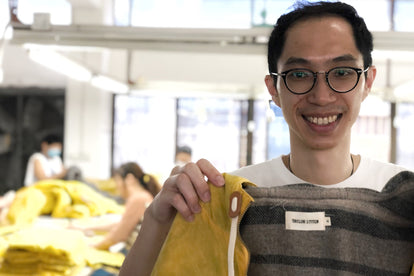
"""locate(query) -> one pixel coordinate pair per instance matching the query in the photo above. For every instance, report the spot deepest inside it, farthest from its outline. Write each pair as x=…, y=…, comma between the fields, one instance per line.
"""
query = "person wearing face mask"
x=46, y=164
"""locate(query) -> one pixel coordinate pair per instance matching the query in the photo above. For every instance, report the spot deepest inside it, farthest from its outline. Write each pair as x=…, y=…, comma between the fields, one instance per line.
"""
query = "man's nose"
x=321, y=93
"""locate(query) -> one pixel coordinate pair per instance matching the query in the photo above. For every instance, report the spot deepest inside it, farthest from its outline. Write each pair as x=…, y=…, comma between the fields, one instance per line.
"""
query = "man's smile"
x=322, y=120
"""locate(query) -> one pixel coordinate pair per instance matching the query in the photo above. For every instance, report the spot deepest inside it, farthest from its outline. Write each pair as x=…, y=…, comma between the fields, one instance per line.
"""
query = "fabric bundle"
x=60, y=199
x=40, y=251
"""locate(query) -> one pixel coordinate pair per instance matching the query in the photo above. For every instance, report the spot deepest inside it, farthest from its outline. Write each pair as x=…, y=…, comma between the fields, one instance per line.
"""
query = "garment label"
x=306, y=221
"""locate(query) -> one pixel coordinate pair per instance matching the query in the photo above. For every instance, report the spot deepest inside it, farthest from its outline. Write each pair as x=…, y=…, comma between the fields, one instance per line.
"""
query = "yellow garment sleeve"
x=200, y=247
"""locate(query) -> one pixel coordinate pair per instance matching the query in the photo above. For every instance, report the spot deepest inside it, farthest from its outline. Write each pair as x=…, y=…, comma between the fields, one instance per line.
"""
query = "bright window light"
x=109, y=84
x=60, y=64
x=405, y=91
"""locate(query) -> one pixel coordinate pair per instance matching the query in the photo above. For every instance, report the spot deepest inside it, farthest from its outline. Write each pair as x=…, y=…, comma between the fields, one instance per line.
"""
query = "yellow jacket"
x=217, y=224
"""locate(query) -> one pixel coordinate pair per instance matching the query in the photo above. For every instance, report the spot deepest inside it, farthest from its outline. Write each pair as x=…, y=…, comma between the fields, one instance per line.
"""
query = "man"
x=320, y=71
x=46, y=164
x=183, y=155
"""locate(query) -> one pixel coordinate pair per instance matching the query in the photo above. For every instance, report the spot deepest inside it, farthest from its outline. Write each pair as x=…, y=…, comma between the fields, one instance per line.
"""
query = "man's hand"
x=183, y=189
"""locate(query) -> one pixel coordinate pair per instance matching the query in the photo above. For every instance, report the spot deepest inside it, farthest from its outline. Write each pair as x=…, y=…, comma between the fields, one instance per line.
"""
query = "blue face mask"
x=53, y=152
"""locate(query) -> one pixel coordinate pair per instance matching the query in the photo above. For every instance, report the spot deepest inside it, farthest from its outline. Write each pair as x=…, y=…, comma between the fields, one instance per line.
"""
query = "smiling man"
x=320, y=71
x=320, y=90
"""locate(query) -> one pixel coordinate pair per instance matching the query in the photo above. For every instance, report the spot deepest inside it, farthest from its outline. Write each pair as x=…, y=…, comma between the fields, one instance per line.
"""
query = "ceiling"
x=394, y=52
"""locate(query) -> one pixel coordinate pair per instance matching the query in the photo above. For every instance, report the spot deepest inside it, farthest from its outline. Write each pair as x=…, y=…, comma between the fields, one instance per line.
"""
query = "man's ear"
x=271, y=88
x=369, y=80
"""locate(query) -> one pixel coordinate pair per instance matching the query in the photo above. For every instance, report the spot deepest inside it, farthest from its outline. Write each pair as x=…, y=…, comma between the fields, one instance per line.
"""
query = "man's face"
x=322, y=118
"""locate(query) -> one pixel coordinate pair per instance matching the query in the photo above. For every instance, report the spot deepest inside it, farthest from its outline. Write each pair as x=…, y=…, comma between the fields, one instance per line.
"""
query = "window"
x=378, y=20
x=261, y=118
x=4, y=15
x=371, y=131
x=148, y=129
x=404, y=21
x=60, y=11
x=271, y=132
x=405, y=134
x=192, y=13
x=144, y=132
x=233, y=13
x=278, y=141
x=211, y=127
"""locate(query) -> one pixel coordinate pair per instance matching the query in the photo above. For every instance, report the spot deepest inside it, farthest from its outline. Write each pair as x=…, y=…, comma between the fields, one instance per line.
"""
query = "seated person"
x=138, y=190
x=183, y=155
x=46, y=164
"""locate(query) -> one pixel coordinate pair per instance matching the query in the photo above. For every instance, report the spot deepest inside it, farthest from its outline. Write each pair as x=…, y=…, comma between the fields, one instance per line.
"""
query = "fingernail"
x=190, y=218
x=220, y=180
x=197, y=208
x=206, y=196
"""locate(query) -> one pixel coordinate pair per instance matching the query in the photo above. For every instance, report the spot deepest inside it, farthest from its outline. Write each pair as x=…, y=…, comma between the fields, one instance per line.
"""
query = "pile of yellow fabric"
x=41, y=251
x=107, y=185
x=60, y=199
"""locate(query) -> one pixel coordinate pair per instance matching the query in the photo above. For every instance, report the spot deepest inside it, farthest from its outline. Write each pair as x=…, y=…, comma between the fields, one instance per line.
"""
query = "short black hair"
x=52, y=138
x=184, y=149
x=304, y=10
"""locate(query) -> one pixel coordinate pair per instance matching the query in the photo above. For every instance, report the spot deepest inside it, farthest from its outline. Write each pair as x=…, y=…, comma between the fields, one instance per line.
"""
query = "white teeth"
x=322, y=120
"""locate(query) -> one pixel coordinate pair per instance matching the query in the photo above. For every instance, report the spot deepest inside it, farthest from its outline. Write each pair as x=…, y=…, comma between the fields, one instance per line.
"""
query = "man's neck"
x=322, y=167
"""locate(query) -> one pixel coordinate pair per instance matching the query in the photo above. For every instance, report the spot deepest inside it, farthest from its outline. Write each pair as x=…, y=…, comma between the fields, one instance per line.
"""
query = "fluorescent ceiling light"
x=109, y=84
x=62, y=48
x=60, y=64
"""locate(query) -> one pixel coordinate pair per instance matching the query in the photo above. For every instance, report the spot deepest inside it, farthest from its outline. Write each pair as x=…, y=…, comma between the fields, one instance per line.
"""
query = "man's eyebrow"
x=347, y=57
x=296, y=60
x=303, y=61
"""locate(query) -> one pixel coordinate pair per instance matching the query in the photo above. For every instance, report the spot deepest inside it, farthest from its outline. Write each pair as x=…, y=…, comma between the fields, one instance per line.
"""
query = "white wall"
x=88, y=111
x=19, y=70
x=88, y=123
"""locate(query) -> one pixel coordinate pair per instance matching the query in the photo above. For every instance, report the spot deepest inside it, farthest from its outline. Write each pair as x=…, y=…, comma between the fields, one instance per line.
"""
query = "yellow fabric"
x=44, y=251
x=96, y=258
x=26, y=206
x=60, y=199
x=107, y=185
x=52, y=252
x=7, y=229
x=203, y=243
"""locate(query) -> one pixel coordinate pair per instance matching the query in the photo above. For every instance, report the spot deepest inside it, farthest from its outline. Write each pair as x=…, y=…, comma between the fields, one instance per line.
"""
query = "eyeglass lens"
x=341, y=79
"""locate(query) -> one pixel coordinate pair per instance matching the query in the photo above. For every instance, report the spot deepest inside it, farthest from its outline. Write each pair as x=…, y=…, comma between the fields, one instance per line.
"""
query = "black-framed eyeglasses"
x=340, y=79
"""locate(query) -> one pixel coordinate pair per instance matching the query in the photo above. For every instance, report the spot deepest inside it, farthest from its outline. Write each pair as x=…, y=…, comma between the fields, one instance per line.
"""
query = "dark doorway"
x=26, y=116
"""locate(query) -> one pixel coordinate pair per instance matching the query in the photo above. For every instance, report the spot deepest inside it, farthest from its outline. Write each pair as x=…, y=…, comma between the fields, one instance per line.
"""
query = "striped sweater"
x=365, y=232
x=299, y=229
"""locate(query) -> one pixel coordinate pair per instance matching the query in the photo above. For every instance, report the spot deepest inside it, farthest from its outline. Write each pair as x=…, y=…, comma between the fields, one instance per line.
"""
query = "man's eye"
x=343, y=72
x=300, y=74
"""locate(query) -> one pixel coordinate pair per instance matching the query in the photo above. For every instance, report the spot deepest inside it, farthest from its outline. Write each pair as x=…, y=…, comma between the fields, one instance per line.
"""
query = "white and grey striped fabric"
x=370, y=233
